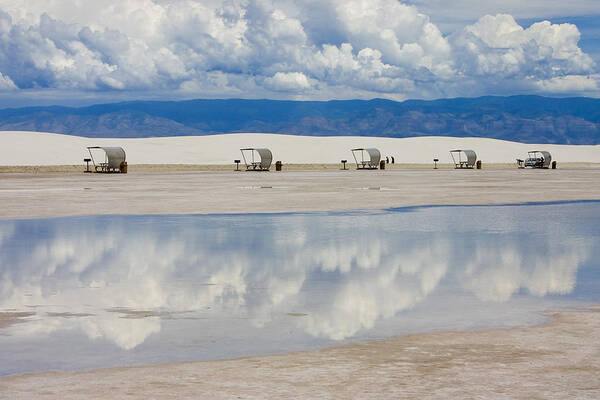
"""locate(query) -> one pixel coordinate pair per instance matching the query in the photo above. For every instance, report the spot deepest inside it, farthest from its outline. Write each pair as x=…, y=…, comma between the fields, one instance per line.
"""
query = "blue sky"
x=81, y=51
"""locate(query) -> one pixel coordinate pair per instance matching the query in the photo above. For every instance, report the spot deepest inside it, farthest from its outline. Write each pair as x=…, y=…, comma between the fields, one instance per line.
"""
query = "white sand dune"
x=36, y=148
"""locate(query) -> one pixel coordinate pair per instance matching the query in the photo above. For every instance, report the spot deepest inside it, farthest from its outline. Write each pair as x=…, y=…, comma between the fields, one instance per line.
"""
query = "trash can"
x=478, y=164
x=87, y=164
x=553, y=164
x=123, y=167
x=382, y=164
x=278, y=166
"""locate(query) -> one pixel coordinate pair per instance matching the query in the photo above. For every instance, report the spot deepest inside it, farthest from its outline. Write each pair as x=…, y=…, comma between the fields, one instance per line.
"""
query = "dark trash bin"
x=382, y=164
x=553, y=164
x=278, y=166
x=123, y=167
x=478, y=164
x=87, y=164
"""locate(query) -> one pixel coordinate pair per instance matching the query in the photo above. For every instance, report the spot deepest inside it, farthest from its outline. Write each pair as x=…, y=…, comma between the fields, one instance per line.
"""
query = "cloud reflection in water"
x=120, y=278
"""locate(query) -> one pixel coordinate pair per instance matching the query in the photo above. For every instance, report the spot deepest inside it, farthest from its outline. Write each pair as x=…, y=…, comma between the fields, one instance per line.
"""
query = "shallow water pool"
x=100, y=291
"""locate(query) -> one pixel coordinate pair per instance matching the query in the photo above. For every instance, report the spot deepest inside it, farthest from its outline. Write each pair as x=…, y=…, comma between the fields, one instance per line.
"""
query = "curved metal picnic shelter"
x=257, y=159
x=112, y=161
x=366, y=158
x=463, y=158
x=538, y=159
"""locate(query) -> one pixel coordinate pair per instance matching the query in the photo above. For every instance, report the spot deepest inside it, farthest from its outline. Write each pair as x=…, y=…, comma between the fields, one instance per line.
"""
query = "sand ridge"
x=36, y=148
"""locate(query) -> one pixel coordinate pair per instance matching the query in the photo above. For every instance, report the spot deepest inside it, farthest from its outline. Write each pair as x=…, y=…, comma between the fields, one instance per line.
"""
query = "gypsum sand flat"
x=559, y=359
x=36, y=195
x=133, y=168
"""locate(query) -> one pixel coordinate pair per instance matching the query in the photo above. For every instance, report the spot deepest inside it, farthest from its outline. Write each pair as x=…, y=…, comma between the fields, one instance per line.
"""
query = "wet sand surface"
x=558, y=360
x=48, y=194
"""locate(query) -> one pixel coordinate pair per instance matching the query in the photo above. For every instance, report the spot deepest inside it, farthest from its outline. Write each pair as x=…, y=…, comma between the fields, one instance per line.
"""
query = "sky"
x=75, y=52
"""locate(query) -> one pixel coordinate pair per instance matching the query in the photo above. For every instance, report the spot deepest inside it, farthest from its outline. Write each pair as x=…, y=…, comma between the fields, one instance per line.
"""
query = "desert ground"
x=173, y=190
x=556, y=360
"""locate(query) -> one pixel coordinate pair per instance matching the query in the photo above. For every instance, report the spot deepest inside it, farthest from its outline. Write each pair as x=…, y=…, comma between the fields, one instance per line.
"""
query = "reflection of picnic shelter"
x=463, y=158
x=366, y=158
x=257, y=159
x=107, y=159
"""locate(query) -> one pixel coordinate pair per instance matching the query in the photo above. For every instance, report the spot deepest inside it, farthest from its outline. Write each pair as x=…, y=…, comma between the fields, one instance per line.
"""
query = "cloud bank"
x=263, y=48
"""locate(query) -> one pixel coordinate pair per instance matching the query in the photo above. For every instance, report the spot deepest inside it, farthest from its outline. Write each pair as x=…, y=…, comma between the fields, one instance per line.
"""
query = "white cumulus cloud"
x=262, y=48
x=570, y=83
x=6, y=83
x=288, y=81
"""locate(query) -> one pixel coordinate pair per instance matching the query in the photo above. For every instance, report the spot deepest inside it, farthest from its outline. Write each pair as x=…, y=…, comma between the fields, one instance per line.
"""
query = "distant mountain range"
x=528, y=119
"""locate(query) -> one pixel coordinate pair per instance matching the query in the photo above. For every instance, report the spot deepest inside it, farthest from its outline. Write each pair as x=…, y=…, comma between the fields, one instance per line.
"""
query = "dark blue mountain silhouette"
x=529, y=119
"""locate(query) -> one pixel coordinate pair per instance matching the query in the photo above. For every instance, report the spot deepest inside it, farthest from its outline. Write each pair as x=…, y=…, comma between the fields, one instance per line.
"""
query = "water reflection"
x=271, y=283
x=498, y=271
